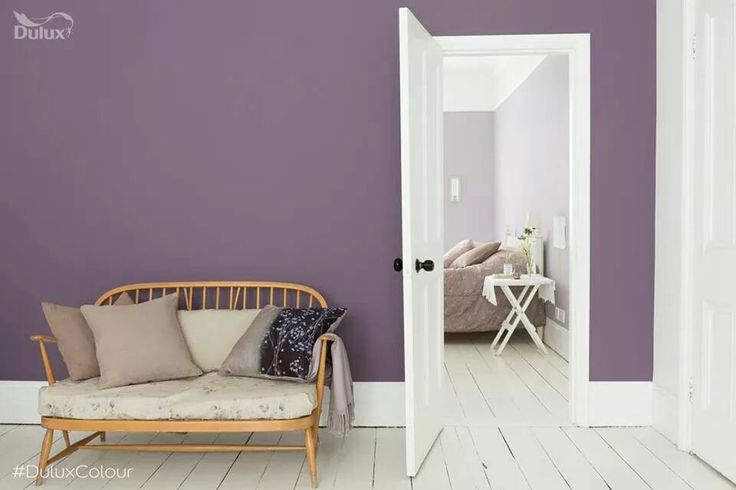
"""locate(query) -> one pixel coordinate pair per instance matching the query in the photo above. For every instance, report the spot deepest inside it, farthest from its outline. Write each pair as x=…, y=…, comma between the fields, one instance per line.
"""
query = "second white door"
x=714, y=237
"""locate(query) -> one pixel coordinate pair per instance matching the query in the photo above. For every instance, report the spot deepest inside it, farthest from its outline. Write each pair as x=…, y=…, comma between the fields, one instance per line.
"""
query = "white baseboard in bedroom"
x=377, y=404
x=557, y=337
x=19, y=402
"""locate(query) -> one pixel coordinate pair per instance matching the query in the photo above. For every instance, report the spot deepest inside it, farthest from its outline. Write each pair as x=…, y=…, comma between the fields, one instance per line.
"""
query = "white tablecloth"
x=546, y=286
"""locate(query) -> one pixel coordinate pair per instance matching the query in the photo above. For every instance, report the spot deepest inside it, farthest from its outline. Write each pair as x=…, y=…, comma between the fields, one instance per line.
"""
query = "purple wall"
x=532, y=160
x=468, y=151
x=188, y=140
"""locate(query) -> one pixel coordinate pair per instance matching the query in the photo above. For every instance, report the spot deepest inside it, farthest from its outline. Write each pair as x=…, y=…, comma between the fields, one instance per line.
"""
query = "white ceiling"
x=482, y=83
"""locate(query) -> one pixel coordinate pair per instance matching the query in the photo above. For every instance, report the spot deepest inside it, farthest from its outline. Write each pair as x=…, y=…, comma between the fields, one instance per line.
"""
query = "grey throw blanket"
x=342, y=404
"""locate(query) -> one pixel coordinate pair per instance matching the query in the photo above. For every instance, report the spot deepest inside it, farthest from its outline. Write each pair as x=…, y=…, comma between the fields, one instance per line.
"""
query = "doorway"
x=421, y=60
x=506, y=168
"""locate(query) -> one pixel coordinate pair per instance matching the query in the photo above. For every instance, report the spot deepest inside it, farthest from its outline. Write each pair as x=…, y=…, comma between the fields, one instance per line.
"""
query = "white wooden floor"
x=463, y=458
x=507, y=429
x=522, y=387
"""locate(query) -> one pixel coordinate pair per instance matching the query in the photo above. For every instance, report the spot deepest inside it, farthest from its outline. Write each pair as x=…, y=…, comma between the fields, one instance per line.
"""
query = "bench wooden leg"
x=311, y=444
x=103, y=436
x=315, y=430
x=48, y=439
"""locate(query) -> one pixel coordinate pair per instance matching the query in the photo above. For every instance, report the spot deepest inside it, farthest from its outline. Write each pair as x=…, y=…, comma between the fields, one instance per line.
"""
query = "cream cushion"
x=210, y=397
x=211, y=334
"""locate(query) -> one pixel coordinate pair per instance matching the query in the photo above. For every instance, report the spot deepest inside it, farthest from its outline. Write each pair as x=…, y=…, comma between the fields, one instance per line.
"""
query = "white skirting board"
x=619, y=403
x=557, y=337
x=19, y=402
x=664, y=412
x=378, y=404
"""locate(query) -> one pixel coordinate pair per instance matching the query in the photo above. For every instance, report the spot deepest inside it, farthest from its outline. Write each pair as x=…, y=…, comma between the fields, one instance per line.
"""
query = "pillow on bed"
x=456, y=251
x=476, y=255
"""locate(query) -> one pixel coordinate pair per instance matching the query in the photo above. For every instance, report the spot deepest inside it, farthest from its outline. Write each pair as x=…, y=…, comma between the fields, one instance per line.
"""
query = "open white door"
x=714, y=237
x=421, y=202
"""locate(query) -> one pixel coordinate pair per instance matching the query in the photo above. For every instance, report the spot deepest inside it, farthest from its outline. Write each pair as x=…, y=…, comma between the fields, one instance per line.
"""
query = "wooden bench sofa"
x=195, y=295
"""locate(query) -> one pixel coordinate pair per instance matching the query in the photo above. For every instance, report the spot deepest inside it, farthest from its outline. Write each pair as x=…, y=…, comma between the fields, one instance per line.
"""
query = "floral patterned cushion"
x=210, y=396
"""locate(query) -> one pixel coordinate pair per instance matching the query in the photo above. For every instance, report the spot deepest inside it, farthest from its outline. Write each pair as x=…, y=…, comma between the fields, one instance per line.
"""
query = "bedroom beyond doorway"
x=506, y=263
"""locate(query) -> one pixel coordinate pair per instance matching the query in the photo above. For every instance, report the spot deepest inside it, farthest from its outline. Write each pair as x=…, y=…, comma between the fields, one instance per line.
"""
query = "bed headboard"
x=230, y=295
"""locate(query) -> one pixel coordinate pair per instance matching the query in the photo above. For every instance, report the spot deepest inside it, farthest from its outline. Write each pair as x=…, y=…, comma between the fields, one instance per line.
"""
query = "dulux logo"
x=59, y=26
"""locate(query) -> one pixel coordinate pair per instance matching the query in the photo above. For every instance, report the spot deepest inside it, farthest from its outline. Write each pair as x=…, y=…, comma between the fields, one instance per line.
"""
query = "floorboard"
x=539, y=470
x=248, y=468
x=356, y=468
x=615, y=471
x=650, y=468
x=433, y=474
x=461, y=459
x=390, y=464
x=212, y=468
x=500, y=466
x=567, y=458
x=692, y=470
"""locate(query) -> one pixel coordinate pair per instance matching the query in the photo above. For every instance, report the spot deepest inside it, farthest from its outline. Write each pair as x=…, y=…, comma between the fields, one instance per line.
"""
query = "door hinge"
x=694, y=45
x=690, y=391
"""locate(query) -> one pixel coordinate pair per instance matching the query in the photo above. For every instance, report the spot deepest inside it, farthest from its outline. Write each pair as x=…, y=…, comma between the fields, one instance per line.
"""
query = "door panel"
x=714, y=251
x=421, y=199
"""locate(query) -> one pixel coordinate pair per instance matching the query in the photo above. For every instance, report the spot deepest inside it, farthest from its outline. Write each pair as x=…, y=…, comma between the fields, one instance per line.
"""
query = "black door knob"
x=398, y=264
x=427, y=265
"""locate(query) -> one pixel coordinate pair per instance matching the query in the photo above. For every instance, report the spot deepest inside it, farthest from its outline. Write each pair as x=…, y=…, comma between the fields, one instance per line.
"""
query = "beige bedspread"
x=466, y=310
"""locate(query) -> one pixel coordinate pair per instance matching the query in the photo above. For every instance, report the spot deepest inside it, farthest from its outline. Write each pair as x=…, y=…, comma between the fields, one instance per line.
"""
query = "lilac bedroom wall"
x=260, y=140
x=468, y=151
x=532, y=160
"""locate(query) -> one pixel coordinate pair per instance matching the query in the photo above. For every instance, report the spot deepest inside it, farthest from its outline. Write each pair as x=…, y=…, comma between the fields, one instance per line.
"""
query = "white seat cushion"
x=210, y=397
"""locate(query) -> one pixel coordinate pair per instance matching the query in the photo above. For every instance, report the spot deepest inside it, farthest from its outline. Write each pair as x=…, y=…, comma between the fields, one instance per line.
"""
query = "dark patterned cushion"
x=286, y=350
x=279, y=342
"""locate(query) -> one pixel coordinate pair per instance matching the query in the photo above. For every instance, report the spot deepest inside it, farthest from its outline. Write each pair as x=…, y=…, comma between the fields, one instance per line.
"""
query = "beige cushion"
x=210, y=397
x=476, y=255
x=456, y=251
x=74, y=338
x=139, y=343
x=211, y=334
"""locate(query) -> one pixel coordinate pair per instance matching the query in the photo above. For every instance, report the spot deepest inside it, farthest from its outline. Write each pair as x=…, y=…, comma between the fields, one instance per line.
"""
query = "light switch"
x=455, y=189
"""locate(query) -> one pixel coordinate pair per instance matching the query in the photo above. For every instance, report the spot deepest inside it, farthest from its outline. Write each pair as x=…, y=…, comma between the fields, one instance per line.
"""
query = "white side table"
x=531, y=285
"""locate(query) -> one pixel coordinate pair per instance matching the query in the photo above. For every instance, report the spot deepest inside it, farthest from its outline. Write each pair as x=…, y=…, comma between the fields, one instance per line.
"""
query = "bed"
x=466, y=310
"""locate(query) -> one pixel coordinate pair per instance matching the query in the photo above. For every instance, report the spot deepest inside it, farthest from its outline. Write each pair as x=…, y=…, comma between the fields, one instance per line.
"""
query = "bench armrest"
x=325, y=339
x=42, y=339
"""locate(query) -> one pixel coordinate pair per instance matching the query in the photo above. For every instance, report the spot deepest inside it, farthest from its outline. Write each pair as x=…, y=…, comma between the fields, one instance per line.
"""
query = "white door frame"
x=686, y=348
x=577, y=48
